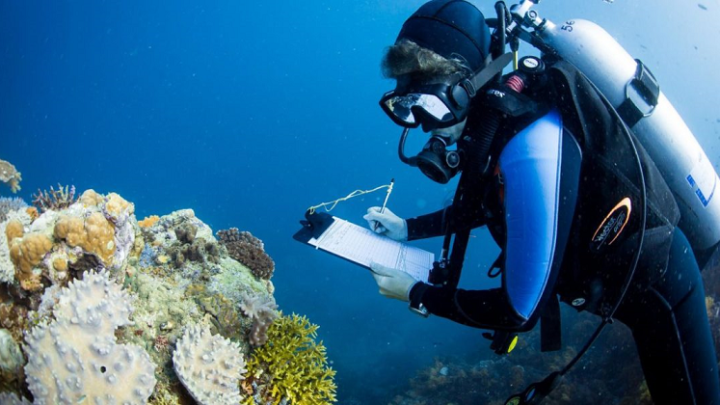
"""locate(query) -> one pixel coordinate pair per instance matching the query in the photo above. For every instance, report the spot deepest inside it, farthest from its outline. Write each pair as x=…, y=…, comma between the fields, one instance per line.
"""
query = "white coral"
x=210, y=367
x=76, y=357
x=258, y=306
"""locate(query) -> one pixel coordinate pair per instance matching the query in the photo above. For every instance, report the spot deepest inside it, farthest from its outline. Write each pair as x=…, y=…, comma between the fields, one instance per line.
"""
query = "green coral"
x=292, y=365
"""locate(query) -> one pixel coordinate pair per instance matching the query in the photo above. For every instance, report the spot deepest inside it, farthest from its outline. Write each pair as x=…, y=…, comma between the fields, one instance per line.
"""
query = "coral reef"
x=209, y=366
x=10, y=176
x=159, y=277
x=10, y=204
x=76, y=356
x=290, y=367
x=56, y=200
x=248, y=250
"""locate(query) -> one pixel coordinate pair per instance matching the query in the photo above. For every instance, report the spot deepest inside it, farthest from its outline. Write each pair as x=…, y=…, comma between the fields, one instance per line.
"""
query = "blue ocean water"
x=250, y=112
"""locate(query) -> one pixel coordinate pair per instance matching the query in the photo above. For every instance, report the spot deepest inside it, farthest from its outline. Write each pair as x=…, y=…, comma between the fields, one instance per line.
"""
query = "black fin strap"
x=550, y=332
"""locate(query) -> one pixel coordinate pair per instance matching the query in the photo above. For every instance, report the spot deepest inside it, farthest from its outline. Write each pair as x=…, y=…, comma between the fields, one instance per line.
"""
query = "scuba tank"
x=631, y=88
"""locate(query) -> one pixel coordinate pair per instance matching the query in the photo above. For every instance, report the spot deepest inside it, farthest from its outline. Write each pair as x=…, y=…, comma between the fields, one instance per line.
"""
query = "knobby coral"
x=76, y=356
x=209, y=366
x=248, y=250
x=10, y=176
x=291, y=366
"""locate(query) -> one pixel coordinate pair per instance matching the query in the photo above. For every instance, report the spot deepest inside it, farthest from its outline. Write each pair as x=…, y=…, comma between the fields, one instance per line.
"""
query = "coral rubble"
x=10, y=176
x=96, y=305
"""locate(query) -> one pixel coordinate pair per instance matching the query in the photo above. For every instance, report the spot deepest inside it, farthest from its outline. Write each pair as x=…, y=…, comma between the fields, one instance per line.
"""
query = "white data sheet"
x=363, y=246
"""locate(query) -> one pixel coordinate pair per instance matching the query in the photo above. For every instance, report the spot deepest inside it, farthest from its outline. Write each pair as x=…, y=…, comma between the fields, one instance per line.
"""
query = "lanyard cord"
x=332, y=204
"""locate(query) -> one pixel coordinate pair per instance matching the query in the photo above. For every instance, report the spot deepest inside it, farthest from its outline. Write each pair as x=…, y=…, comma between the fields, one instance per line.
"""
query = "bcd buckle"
x=502, y=342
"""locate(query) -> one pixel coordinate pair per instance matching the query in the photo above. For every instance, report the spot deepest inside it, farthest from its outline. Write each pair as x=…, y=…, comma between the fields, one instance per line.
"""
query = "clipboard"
x=362, y=246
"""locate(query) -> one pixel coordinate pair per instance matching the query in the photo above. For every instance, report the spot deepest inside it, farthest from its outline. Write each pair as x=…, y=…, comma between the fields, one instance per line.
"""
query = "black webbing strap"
x=550, y=333
x=647, y=87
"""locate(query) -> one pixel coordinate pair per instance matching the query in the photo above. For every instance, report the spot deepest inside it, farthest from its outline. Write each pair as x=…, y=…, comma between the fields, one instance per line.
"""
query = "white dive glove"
x=393, y=283
x=386, y=223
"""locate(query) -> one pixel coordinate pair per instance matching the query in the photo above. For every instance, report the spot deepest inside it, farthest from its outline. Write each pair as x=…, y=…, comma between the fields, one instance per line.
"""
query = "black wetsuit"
x=568, y=210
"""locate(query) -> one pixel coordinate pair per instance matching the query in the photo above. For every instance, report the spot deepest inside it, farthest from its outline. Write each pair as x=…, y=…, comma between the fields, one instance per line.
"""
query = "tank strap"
x=643, y=86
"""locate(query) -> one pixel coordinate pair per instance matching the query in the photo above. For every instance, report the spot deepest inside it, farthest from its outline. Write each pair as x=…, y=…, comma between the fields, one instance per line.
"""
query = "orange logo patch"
x=612, y=226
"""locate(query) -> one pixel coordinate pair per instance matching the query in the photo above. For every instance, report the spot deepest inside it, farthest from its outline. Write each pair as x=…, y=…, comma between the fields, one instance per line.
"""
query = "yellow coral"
x=33, y=212
x=60, y=263
x=117, y=205
x=26, y=253
x=296, y=365
x=94, y=235
x=91, y=199
x=149, y=221
x=10, y=176
x=13, y=229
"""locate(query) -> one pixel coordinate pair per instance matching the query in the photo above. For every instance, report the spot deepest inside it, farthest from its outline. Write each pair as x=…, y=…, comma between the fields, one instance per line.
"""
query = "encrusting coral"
x=291, y=366
x=209, y=366
x=248, y=250
x=76, y=356
x=10, y=176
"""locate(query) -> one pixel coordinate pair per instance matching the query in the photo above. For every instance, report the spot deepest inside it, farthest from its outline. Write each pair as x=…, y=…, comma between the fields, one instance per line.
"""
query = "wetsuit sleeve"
x=540, y=169
x=426, y=226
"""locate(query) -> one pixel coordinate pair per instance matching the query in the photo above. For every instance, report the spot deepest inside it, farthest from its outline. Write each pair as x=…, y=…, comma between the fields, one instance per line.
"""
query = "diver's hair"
x=407, y=57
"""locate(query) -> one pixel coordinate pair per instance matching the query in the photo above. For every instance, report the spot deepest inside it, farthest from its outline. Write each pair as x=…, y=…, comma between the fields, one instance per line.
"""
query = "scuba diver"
x=559, y=175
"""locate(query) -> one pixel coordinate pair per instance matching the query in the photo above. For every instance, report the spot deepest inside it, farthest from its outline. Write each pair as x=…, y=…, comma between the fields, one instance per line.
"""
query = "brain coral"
x=209, y=366
x=76, y=356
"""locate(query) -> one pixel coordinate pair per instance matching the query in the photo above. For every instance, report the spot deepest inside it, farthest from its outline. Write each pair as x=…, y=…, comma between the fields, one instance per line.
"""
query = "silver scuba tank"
x=662, y=132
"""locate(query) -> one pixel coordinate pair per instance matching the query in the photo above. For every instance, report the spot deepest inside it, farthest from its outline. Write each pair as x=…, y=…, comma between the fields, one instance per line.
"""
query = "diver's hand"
x=387, y=223
x=393, y=283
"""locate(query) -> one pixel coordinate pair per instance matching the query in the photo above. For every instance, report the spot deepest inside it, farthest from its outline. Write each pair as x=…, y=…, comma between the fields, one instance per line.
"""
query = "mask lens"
x=403, y=109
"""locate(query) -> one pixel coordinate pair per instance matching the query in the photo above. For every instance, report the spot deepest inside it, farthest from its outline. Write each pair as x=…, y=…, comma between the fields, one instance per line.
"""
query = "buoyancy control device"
x=632, y=89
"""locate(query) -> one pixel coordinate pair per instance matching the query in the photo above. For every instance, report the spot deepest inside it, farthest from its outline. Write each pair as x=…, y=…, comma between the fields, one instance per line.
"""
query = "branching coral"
x=248, y=250
x=291, y=366
x=56, y=200
x=10, y=176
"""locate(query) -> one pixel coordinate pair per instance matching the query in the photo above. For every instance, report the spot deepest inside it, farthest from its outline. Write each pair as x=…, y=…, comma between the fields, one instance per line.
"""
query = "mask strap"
x=476, y=82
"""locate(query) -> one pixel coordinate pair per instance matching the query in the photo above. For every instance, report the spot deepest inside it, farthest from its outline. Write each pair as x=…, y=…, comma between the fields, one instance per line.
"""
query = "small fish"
x=702, y=6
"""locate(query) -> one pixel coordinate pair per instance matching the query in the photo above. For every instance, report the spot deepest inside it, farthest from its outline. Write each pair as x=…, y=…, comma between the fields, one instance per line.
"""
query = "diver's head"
x=439, y=47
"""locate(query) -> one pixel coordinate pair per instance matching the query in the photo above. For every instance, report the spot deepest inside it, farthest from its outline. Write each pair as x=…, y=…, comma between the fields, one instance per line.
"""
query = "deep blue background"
x=249, y=112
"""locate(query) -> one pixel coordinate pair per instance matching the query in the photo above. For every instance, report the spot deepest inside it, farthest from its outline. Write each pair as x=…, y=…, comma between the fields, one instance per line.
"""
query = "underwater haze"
x=251, y=112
